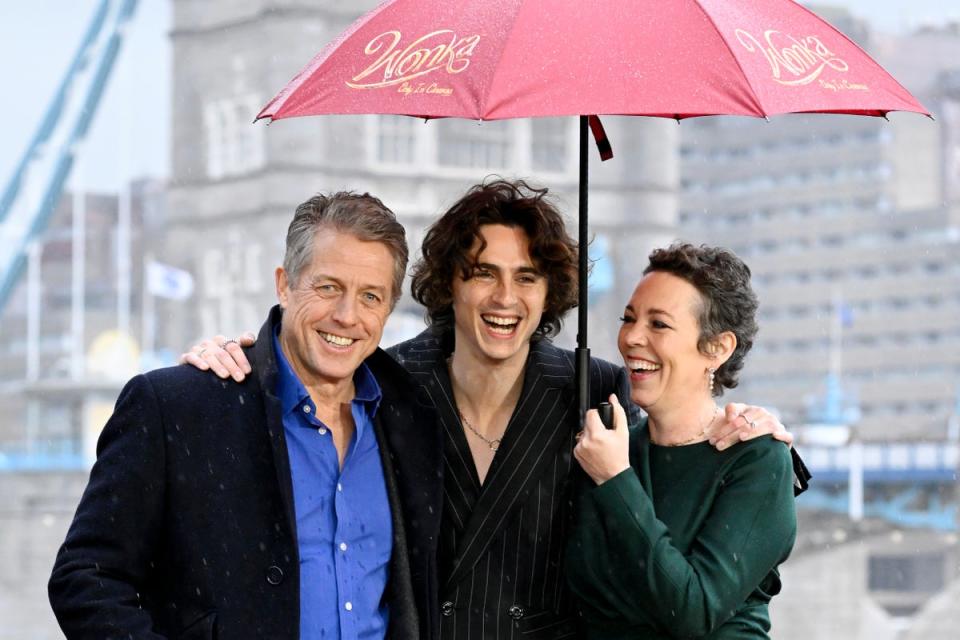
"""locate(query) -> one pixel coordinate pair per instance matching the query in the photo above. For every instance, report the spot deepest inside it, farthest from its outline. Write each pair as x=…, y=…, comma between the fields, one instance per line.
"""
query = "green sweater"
x=685, y=544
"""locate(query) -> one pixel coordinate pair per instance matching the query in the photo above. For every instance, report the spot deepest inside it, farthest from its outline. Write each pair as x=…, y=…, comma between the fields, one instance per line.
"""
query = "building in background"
x=71, y=336
x=851, y=226
x=73, y=327
x=854, y=245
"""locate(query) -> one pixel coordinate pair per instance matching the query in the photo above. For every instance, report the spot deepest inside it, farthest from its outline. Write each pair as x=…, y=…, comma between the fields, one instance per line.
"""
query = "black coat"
x=502, y=544
x=187, y=528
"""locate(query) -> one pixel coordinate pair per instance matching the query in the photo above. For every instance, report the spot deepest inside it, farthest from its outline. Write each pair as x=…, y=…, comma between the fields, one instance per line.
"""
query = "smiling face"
x=658, y=341
x=333, y=317
x=498, y=308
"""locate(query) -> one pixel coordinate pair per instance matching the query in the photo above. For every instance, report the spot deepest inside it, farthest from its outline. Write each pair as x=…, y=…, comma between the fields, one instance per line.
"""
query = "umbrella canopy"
x=496, y=59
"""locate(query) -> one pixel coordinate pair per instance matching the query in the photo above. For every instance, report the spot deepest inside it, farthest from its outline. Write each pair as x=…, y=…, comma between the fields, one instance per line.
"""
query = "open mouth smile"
x=500, y=325
x=641, y=366
x=339, y=341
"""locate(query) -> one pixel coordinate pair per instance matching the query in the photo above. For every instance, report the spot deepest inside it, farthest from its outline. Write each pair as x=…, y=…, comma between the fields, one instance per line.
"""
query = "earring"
x=711, y=374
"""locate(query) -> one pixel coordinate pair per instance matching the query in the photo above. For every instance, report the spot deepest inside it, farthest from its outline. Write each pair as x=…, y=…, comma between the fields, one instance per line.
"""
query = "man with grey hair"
x=274, y=508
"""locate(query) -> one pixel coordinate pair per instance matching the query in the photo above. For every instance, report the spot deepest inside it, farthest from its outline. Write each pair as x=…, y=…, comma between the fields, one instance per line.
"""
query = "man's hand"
x=604, y=453
x=744, y=422
x=222, y=355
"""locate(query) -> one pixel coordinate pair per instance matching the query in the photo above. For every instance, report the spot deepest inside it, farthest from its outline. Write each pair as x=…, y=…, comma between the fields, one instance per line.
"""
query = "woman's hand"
x=604, y=453
x=221, y=354
x=745, y=422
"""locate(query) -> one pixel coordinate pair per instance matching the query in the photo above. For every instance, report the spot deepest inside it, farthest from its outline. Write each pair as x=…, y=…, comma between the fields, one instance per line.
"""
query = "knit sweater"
x=686, y=543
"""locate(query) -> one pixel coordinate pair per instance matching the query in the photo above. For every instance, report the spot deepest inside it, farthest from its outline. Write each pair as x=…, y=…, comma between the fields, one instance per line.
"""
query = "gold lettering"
x=420, y=57
x=435, y=89
x=461, y=60
x=386, y=60
x=843, y=85
x=802, y=59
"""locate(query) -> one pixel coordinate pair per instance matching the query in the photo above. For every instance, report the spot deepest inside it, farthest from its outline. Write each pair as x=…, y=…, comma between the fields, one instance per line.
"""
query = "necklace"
x=493, y=444
x=703, y=431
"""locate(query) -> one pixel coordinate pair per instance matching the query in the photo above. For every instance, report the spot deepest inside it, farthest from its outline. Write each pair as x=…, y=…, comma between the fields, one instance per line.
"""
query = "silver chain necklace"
x=493, y=444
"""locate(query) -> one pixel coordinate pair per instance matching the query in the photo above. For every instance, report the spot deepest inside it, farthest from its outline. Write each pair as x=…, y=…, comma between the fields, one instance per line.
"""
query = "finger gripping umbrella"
x=497, y=59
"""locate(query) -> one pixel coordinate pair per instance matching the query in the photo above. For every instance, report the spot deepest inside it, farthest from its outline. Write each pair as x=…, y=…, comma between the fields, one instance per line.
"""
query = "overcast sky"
x=130, y=134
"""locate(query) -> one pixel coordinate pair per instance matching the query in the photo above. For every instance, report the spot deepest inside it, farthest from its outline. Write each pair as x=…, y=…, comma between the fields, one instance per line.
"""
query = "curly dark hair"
x=729, y=303
x=513, y=203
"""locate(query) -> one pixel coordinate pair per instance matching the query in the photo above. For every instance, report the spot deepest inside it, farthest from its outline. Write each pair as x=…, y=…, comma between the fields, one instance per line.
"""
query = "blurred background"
x=141, y=210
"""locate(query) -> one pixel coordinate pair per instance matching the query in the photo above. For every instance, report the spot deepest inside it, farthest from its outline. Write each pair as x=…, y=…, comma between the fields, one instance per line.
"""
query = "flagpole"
x=34, y=306
x=123, y=259
x=148, y=320
x=78, y=273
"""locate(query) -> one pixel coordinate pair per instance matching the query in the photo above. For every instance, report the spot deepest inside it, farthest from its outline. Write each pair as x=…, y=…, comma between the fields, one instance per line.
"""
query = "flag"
x=165, y=281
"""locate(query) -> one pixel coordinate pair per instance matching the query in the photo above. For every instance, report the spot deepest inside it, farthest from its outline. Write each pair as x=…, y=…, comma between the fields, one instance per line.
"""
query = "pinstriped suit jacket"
x=501, y=545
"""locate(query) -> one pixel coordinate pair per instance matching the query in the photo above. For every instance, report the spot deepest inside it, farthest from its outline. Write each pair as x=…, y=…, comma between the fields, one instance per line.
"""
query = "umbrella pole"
x=582, y=352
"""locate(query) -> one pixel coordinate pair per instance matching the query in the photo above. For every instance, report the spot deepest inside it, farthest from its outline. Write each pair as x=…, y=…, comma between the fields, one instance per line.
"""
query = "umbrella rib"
x=486, y=96
x=756, y=98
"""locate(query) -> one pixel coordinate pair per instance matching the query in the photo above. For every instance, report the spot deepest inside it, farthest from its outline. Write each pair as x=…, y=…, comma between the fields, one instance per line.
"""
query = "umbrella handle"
x=605, y=409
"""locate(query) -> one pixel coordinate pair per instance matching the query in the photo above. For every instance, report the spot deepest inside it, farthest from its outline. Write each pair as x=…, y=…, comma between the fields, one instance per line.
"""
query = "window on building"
x=397, y=139
x=234, y=147
x=549, y=138
x=464, y=143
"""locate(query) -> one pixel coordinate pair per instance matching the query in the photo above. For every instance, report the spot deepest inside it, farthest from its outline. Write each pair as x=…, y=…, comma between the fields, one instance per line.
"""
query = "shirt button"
x=348, y=606
x=516, y=612
x=306, y=408
x=343, y=546
x=322, y=431
x=446, y=609
x=339, y=487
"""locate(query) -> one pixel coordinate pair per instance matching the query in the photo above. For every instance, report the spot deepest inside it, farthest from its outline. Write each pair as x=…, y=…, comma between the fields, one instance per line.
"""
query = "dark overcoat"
x=187, y=527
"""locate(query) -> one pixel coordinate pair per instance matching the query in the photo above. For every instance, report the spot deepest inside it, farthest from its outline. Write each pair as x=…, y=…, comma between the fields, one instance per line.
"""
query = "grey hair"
x=728, y=302
x=361, y=215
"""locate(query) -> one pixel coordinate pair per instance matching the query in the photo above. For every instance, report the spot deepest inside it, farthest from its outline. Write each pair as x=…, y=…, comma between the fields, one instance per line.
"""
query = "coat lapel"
x=264, y=363
x=412, y=430
x=415, y=445
x=541, y=424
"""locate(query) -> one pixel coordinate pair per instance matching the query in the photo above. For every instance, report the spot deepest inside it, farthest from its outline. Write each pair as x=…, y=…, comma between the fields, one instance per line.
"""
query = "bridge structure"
x=910, y=484
x=31, y=195
x=28, y=201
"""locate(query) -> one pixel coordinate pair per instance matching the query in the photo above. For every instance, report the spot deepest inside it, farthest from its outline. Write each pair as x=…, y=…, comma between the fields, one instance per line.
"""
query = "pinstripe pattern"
x=501, y=544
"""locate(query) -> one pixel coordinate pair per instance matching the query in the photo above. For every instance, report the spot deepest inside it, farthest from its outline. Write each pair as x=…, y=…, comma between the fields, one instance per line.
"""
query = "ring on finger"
x=753, y=424
x=200, y=353
x=224, y=344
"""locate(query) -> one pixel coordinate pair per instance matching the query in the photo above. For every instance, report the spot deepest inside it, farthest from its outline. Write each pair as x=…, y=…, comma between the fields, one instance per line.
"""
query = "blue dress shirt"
x=344, y=530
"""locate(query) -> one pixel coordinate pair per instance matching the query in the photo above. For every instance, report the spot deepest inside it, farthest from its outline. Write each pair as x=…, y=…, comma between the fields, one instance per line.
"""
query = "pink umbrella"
x=496, y=59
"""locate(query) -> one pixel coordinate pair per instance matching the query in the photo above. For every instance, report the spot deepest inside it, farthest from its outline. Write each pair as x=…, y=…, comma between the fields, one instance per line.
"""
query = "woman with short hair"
x=673, y=538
